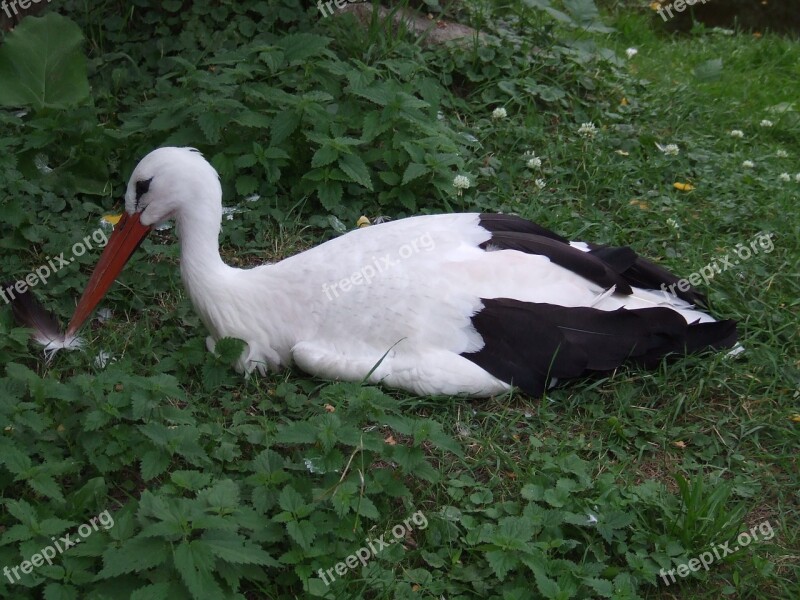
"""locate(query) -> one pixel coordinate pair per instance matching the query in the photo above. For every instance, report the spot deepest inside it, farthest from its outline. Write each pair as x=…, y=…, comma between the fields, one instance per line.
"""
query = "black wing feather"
x=527, y=343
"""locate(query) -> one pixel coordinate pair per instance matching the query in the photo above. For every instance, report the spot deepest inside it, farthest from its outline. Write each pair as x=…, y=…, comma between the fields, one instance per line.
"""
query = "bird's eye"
x=142, y=186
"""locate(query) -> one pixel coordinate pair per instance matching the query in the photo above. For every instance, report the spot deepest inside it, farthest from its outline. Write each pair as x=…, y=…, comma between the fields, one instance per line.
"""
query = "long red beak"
x=124, y=241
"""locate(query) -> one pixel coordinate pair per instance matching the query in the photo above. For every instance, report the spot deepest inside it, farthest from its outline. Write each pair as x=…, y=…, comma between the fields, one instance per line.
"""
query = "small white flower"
x=499, y=113
x=785, y=177
x=461, y=183
x=631, y=52
x=766, y=123
x=669, y=149
x=748, y=164
x=590, y=519
x=540, y=183
x=587, y=129
x=781, y=154
x=534, y=163
x=672, y=223
x=737, y=133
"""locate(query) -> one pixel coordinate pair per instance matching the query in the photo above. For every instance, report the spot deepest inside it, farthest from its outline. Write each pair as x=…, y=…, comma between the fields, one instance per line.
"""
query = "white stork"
x=442, y=304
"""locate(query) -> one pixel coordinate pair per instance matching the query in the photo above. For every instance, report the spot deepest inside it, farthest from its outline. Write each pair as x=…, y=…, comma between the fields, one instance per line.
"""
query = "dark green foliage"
x=222, y=487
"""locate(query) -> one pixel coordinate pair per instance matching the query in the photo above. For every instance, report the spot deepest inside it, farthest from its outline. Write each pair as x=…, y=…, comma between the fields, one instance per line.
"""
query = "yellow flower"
x=683, y=187
x=795, y=417
x=623, y=102
x=363, y=221
x=111, y=219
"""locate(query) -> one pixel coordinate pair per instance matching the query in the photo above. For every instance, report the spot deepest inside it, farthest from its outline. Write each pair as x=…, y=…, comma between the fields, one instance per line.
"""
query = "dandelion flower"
x=631, y=52
x=499, y=113
x=540, y=183
x=766, y=123
x=748, y=164
x=785, y=177
x=781, y=154
x=461, y=183
x=669, y=149
x=534, y=162
x=737, y=133
x=587, y=129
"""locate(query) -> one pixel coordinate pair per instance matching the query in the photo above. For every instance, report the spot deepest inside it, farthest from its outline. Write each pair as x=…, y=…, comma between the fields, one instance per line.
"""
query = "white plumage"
x=406, y=290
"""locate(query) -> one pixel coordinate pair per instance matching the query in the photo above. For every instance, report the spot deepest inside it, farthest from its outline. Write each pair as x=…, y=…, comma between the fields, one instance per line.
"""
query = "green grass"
x=588, y=492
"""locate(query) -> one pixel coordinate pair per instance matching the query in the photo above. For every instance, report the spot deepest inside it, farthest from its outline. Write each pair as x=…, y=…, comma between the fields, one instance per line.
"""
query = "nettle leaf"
x=291, y=501
x=41, y=64
x=238, y=551
x=46, y=486
x=138, y=554
x=414, y=170
x=157, y=591
x=356, y=169
x=246, y=185
x=324, y=156
x=154, y=463
x=501, y=562
x=229, y=349
x=224, y=494
x=284, y=125
x=298, y=432
x=301, y=46
x=211, y=122
x=195, y=563
x=303, y=532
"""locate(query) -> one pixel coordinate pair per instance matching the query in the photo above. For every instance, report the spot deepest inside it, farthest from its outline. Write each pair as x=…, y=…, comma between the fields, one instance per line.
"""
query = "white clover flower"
x=748, y=164
x=499, y=113
x=737, y=133
x=540, y=183
x=766, y=123
x=461, y=183
x=785, y=177
x=631, y=52
x=781, y=154
x=587, y=129
x=534, y=163
x=669, y=149
x=672, y=223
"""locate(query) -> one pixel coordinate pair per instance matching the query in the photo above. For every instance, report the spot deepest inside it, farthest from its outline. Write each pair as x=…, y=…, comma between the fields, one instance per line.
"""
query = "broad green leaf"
x=41, y=64
x=138, y=554
x=413, y=170
x=355, y=168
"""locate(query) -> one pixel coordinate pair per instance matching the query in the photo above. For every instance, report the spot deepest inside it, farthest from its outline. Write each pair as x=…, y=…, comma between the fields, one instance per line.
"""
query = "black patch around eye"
x=142, y=187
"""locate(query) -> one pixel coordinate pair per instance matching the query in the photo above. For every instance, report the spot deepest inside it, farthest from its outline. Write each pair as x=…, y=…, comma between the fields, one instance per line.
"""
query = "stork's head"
x=167, y=183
